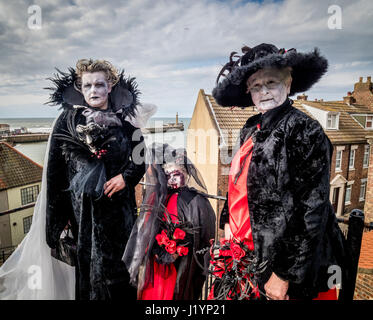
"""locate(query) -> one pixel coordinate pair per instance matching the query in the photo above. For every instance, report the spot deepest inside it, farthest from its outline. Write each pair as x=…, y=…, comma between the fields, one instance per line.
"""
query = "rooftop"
x=16, y=169
x=230, y=120
x=350, y=131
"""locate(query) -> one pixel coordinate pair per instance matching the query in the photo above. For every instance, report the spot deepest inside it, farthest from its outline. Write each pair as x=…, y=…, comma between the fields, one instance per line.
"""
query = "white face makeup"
x=269, y=88
x=96, y=89
x=175, y=176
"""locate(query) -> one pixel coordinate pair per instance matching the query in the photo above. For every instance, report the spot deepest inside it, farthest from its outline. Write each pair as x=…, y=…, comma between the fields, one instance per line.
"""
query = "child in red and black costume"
x=166, y=252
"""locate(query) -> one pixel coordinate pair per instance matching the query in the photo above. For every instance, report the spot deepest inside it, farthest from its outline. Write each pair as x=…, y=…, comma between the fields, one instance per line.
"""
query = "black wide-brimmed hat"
x=307, y=69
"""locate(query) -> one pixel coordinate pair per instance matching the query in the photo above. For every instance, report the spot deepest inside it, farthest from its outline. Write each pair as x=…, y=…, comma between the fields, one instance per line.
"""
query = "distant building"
x=4, y=129
x=20, y=183
x=21, y=130
x=345, y=124
x=363, y=92
x=214, y=130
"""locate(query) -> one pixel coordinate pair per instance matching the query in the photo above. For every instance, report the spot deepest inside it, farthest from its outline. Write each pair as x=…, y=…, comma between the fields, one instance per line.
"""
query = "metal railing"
x=5, y=253
x=343, y=223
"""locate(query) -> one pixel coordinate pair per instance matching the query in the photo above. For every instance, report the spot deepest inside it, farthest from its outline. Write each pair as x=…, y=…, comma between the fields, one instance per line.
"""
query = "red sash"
x=239, y=215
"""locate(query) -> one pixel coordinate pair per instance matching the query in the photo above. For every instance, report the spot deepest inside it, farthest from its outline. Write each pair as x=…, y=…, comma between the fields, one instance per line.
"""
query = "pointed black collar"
x=269, y=119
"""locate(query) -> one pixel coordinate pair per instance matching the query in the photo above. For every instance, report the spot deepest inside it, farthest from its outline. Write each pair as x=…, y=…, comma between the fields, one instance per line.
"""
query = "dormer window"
x=332, y=121
x=369, y=122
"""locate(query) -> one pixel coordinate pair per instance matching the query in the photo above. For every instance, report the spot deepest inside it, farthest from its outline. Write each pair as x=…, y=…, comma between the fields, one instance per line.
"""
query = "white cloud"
x=12, y=100
x=174, y=48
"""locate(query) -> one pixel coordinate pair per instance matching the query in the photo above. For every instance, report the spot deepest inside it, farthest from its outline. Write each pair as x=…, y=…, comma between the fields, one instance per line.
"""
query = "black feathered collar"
x=123, y=97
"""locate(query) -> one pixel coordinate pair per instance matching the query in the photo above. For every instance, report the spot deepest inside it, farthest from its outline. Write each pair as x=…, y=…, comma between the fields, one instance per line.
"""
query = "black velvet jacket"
x=101, y=225
x=293, y=224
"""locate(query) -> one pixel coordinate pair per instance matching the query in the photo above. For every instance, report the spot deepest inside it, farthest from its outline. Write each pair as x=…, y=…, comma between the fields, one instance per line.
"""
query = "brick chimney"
x=363, y=92
x=349, y=99
x=368, y=207
x=302, y=97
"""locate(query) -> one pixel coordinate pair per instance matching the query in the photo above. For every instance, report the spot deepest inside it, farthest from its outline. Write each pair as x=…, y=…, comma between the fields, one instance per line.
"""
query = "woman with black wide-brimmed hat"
x=278, y=207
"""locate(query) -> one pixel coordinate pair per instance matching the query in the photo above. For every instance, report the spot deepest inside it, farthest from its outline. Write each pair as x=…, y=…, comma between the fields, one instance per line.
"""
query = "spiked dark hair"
x=124, y=95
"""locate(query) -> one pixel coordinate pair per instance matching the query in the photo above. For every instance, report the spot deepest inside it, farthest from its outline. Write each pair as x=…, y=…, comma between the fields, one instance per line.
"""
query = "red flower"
x=182, y=251
x=225, y=253
x=237, y=252
x=179, y=234
x=162, y=238
x=171, y=247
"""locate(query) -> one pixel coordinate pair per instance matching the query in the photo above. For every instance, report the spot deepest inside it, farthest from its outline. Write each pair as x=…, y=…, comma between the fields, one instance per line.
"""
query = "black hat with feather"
x=306, y=70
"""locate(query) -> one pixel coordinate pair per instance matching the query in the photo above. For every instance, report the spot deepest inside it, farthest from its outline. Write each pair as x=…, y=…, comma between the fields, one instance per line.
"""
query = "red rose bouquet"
x=175, y=237
x=174, y=243
x=234, y=267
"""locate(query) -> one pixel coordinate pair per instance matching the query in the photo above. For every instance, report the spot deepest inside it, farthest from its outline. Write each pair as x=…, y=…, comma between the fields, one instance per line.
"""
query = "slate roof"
x=16, y=169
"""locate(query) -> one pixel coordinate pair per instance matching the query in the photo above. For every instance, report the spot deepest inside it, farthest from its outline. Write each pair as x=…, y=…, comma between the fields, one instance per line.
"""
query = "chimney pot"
x=349, y=99
x=302, y=97
x=361, y=79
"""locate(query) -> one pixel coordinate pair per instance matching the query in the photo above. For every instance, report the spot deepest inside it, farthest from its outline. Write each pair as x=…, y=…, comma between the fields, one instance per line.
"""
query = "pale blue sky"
x=173, y=48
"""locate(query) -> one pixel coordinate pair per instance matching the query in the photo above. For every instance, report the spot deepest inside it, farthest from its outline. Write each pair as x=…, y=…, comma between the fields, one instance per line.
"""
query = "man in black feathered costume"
x=94, y=164
x=288, y=218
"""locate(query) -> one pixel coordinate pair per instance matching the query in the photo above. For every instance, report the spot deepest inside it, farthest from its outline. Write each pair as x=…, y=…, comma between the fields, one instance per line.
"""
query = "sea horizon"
x=36, y=151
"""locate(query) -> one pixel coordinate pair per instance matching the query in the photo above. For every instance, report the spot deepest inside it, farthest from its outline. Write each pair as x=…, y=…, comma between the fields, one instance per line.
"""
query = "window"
x=338, y=160
x=29, y=194
x=363, y=188
x=366, y=156
x=348, y=195
x=332, y=121
x=369, y=122
x=27, y=224
x=335, y=195
x=351, y=163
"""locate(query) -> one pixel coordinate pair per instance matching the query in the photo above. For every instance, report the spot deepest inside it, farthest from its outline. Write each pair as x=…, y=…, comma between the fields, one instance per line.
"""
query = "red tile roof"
x=16, y=169
x=230, y=120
